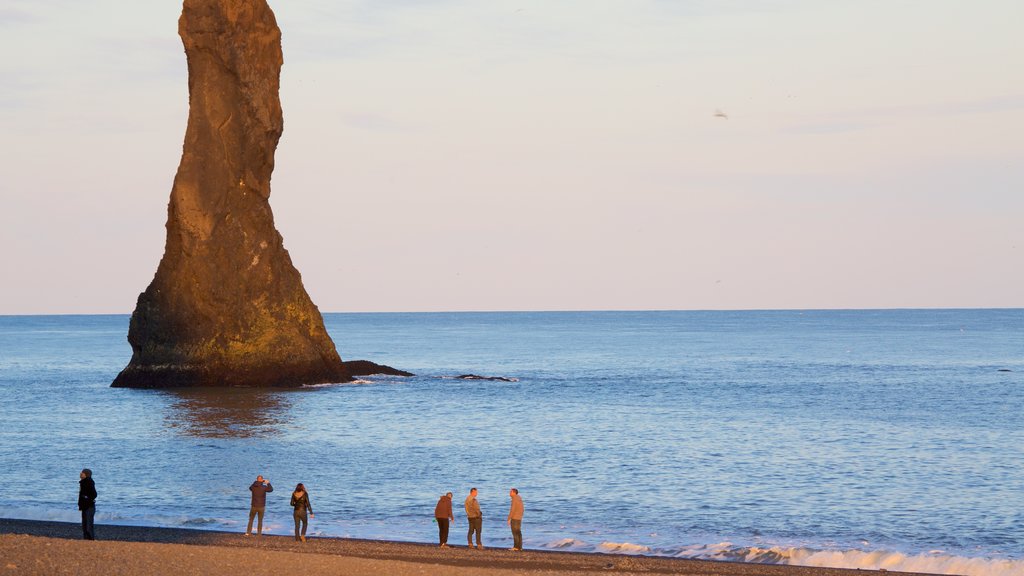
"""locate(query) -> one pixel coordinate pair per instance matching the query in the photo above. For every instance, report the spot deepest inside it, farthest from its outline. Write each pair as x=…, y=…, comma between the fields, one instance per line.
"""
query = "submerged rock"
x=491, y=378
x=226, y=306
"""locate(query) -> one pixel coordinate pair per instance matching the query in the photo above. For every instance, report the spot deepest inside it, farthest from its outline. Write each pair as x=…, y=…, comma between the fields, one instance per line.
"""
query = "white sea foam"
x=895, y=561
x=565, y=544
x=623, y=548
x=934, y=562
x=356, y=382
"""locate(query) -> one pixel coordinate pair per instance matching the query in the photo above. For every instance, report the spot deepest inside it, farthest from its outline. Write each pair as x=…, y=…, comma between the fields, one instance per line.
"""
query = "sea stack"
x=226, y=306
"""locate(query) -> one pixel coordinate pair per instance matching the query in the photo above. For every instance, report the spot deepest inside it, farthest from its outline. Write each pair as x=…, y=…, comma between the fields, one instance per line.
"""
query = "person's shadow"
x=227, y=412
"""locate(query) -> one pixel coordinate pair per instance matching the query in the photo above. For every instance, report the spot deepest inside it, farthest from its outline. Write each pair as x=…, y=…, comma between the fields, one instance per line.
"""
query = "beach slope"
x=32, y=547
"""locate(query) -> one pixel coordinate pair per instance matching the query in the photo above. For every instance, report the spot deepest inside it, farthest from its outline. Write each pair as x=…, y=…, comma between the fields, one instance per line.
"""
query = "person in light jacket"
x=475, y=519
x=515, y=519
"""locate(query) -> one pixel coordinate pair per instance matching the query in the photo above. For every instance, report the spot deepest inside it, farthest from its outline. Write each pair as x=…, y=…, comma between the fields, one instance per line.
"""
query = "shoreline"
x=42, y=547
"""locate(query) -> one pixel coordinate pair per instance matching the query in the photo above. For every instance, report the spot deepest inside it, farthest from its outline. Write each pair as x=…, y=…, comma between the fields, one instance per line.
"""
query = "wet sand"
x=32, y=547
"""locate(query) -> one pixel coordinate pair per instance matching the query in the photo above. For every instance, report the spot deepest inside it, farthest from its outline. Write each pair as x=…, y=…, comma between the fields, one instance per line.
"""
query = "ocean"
x=863, y=439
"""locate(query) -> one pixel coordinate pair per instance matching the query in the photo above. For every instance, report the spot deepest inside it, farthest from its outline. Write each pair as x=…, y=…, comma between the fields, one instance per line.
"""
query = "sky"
x=447, y=155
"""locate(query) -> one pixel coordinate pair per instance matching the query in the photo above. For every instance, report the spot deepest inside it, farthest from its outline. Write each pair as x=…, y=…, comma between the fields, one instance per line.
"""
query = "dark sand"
x=31, y=547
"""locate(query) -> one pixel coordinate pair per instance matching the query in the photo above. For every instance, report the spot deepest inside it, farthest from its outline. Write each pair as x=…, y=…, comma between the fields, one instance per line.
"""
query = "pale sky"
x=544, y=154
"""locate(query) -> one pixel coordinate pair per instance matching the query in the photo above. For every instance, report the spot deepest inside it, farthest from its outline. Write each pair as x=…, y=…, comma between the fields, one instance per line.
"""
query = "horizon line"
x=577, y=311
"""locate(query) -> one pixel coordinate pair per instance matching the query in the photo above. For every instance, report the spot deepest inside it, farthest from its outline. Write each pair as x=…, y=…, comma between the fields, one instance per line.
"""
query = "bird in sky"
x=720, y=114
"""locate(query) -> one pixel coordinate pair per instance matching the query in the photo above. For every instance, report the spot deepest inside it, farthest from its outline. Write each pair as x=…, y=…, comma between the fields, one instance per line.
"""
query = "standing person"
x=443, y=515
x=475, y=519
x=258, y=506
x=87, y=503
x=300, y=501
x=515, y=519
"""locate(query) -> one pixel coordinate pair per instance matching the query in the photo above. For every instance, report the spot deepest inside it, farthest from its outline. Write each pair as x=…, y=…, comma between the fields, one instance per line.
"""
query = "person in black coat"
x=259, y=490
x=87, y=503
x=300, y=502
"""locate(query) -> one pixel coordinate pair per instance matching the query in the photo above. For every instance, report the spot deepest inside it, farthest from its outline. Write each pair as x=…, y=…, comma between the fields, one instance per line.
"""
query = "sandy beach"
x=32, y=547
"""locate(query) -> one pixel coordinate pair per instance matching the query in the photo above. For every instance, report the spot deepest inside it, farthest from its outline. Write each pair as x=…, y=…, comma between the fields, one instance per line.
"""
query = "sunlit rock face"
x=227, y=307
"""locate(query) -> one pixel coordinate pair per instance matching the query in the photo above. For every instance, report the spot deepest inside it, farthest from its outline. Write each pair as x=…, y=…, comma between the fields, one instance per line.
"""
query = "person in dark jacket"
x=443, y=515
x=259, y=490
x=87, y=503
x=300, y=502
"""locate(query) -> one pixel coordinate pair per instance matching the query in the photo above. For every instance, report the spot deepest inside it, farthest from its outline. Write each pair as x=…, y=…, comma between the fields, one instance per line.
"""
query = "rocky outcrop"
x=367, y=368
x=489, y=378
x=227, y=307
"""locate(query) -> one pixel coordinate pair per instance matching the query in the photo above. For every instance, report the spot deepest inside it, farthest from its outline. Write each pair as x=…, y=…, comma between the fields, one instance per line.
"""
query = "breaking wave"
x=356, y=382
x=934, y=562
x=154, y=519
x=623, y=548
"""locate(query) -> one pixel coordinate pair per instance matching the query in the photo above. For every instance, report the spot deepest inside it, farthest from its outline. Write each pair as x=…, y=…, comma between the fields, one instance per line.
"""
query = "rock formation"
x=367, y=368
x=226, y=306
x=489, y=378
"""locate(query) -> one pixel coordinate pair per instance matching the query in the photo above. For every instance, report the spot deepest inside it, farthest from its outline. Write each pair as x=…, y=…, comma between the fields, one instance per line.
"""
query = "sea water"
x=866, y=439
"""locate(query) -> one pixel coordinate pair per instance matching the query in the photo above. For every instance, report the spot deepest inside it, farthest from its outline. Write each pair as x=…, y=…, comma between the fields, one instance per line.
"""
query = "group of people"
x=303, y=511
x=475, y=518
x=299, y=503
x=442, y=514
